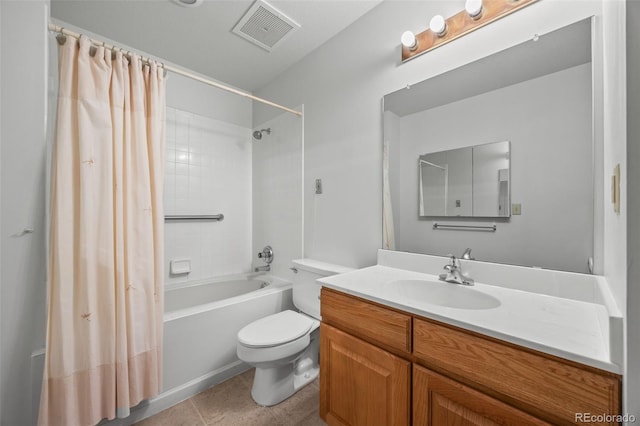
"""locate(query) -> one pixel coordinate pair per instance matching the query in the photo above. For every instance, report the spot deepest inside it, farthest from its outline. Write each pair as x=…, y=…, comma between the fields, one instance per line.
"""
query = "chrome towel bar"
x=490, y=228
x=218, y=217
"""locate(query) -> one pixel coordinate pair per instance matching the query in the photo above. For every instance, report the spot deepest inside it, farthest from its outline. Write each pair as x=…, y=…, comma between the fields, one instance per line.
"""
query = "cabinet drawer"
x=542, y=385
x=440, y=401
x=387, y=328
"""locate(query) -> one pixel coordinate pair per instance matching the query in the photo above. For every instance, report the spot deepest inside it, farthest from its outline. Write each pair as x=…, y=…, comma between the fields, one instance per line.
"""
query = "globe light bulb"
x=438, y=25
x=409, y=40
x=473, y=8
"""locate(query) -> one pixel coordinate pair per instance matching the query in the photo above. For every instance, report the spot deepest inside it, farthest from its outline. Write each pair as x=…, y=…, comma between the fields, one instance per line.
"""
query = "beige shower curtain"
x=104, y=333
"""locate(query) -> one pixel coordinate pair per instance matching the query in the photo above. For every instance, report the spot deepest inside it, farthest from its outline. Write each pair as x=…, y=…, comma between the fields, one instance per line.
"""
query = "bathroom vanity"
x=391, y=354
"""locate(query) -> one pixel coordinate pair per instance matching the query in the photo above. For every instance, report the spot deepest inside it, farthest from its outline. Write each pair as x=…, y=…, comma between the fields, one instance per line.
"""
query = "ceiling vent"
x=265, y=26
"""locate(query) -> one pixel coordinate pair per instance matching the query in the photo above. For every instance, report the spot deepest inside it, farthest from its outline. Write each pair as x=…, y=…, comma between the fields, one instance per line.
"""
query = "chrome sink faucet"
x=467, y=254
x=454, y=273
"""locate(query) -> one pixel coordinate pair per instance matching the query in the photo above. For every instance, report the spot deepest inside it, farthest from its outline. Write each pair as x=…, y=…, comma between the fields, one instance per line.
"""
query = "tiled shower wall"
x=277, y=192
x=207, y=171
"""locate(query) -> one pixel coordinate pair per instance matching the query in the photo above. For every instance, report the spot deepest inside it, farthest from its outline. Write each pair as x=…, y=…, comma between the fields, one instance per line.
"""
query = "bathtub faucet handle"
x=266, y=254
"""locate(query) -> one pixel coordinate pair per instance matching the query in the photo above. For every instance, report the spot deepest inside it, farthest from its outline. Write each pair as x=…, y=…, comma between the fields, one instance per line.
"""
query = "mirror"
x=465, y=182
x=506, y=141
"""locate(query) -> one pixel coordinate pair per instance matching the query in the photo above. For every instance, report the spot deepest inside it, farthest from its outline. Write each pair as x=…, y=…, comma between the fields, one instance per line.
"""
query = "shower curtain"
x=105, y=299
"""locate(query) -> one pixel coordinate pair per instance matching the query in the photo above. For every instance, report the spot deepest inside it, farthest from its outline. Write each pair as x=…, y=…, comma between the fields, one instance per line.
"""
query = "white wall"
x=277, y=192
x=551, y=171
x=342, y=83
x=22, y=197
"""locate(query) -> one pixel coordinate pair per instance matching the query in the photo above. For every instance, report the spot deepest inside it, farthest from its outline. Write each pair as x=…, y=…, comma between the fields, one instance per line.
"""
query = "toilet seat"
x=275, y=330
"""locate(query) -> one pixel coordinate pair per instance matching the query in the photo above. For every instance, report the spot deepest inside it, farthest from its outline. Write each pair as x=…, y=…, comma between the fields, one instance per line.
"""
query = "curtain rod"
x=65, y=31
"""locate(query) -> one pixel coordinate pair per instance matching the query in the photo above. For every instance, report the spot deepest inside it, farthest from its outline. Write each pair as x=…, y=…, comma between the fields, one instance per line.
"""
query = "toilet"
x=284, y=347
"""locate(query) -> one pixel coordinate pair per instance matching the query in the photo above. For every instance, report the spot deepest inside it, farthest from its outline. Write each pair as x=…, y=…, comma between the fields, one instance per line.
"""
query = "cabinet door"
x=361, y=384
x=440, y=401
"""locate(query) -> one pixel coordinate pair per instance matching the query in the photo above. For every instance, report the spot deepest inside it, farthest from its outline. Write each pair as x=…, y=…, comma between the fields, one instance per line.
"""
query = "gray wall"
x=548, y=121
x=22, y=199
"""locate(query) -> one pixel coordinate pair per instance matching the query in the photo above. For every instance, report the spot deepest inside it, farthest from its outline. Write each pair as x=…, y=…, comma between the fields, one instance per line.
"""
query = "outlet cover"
x=516, y=209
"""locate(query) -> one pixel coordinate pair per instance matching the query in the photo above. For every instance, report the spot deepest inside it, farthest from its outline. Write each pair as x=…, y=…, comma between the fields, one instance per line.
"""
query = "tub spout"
x=266, y=268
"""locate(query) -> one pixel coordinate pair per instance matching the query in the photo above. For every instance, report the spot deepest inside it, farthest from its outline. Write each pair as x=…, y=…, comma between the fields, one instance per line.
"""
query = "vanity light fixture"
x=476, y=14
x=409, y=41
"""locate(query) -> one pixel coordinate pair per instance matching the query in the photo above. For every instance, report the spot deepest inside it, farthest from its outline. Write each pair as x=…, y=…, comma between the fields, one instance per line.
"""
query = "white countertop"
x=566, y=327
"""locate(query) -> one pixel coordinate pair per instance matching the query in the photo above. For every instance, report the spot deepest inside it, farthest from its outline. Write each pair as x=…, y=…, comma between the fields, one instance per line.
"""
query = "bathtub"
x=201, y=321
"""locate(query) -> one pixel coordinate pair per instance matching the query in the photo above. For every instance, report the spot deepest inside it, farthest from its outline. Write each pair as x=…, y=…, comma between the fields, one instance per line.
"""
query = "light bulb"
x=473, y=8
x=438, y=25
x=409, y=40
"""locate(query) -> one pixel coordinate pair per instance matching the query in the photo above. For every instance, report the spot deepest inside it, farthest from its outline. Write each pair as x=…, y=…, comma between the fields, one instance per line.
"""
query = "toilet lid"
x=275, y=329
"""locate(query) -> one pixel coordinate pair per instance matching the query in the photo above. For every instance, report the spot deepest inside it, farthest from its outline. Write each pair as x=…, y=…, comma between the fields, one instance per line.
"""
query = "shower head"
x=258, y=133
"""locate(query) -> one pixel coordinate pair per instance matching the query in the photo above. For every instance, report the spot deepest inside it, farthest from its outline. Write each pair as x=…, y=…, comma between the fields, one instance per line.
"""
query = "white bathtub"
x=201, y=294
x=201, y=322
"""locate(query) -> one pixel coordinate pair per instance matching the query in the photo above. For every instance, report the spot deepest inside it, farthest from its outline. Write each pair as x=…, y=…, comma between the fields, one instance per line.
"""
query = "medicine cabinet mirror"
x=465, y=182
x=508, y=141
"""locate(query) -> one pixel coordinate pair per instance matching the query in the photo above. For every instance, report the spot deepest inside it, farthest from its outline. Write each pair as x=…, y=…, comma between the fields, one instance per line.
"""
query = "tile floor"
x=229, y=403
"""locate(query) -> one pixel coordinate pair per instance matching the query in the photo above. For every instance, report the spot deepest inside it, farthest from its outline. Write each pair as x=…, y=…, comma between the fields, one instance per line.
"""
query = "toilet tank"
x=306, y=290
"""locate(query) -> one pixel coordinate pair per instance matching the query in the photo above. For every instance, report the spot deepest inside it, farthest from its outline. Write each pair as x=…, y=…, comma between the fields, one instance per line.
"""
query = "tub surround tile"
x=208, y=167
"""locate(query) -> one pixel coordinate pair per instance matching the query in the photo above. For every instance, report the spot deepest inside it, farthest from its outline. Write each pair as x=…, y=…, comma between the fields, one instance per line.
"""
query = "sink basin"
x=443, y=294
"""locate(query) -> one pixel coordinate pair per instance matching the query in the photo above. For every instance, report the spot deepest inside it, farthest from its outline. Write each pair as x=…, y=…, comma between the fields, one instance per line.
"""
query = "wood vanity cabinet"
x=382, y=366
x=438, y=400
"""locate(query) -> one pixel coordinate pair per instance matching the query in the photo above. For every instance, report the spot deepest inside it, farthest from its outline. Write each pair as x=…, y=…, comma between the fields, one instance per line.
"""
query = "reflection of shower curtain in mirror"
x=105, y=298
x=388, y=235
x=433, y=189
x=503, y=192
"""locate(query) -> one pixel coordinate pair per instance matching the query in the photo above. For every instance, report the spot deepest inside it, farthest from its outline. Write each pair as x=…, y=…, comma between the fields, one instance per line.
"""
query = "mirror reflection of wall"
x=538, y=97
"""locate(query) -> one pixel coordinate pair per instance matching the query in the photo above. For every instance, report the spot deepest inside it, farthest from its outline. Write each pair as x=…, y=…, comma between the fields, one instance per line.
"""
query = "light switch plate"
x=615, y=189
x=516, y=209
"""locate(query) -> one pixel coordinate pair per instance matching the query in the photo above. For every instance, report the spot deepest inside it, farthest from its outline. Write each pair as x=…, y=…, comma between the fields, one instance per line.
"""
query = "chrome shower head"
x=257, y=135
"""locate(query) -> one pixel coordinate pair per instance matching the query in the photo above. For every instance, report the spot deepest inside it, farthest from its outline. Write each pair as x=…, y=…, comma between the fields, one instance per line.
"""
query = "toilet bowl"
x=285, y=356
x=284, y=347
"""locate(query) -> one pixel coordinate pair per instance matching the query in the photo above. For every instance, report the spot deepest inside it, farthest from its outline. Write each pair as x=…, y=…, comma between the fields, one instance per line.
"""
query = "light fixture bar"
x=462, y=23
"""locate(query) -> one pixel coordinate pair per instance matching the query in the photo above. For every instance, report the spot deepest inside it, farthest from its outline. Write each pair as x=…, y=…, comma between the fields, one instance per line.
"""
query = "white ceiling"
x=200, y=38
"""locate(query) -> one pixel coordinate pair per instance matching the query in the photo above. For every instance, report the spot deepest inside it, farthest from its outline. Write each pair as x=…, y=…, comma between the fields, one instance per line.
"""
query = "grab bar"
x=490, y=228
x=217, y=217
